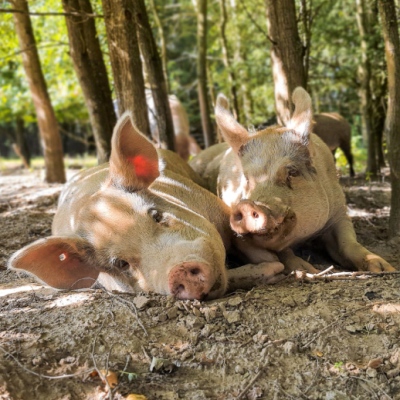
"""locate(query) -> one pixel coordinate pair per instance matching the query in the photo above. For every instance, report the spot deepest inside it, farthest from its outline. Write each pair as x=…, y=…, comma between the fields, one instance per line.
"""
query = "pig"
x=282, y=187
x=335, y=131
x=185, y=145
x=139, y=223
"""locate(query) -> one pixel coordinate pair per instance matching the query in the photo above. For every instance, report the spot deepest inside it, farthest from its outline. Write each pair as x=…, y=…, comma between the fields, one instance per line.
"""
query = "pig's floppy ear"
x=233, y=133
x=58, y=262
x=301, y=121
x=134, y=159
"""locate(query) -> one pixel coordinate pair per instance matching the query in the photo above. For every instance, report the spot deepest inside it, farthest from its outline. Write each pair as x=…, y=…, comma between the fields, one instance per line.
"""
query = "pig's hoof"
x=297, y=263
x=374, y=263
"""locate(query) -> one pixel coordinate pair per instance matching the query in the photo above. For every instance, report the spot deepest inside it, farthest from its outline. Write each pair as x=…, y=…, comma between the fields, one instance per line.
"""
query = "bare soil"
x=293, y=340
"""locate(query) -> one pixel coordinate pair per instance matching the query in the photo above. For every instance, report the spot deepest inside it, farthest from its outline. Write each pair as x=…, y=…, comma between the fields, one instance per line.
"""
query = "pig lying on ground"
x=139, y=224
x=282, y=186
x=335, y=131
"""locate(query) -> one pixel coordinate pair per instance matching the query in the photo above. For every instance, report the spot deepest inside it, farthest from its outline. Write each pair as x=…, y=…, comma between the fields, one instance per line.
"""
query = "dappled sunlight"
x=387, y=308
x=70, y=299
x=19, y=289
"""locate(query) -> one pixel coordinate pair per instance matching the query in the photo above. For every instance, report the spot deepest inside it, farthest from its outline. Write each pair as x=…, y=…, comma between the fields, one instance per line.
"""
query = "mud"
x=293, y=340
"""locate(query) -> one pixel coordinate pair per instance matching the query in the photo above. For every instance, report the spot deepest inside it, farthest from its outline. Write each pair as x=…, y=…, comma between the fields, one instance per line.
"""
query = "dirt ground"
x=293, y=340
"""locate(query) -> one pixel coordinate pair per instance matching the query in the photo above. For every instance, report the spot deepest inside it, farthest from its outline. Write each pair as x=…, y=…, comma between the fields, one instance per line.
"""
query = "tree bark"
x=47, y=122
x=125, y=61
x=209, y=136
x=155, y=76
x=390, y=29
x=163, y=43
x=20, y=146
x=287, y=55
x=89, y=66
x=364, y=73
x=227, y=60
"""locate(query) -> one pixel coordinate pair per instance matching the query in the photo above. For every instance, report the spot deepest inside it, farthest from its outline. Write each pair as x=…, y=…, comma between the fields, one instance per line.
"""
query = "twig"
x=39, y=374
x=337, y=276
x=250, y=384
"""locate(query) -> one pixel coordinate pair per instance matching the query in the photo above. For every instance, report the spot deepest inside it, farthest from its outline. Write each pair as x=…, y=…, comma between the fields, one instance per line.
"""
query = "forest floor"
x=293, y=340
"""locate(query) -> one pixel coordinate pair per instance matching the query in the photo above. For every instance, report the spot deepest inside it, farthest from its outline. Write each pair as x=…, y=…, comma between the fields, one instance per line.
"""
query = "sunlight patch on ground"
x=25, y=288
x=356, y=212
x=70, y=299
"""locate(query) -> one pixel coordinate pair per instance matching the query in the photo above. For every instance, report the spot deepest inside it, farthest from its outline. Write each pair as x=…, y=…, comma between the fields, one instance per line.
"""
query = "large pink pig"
x=140, y=223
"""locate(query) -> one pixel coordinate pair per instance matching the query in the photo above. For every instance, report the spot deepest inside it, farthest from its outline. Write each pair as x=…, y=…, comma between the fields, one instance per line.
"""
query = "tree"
x=155, y=76
x=286, y=54
x=387, y=11
x=92, y=74
x=209, y=137
x=119, y=17
x=48, y=126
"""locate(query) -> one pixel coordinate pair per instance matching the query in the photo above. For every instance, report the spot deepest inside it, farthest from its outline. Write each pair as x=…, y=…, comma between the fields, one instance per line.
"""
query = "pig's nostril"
x=180, y=289
x=255, y=215
x=238, y=216
x=195, y=271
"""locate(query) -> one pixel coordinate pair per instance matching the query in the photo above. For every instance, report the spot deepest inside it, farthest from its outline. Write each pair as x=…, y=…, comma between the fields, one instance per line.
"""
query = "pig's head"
x=135, y=232
x=271, y=180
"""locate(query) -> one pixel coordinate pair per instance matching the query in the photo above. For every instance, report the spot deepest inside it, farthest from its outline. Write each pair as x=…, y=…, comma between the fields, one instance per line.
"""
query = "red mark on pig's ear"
x=145, y=168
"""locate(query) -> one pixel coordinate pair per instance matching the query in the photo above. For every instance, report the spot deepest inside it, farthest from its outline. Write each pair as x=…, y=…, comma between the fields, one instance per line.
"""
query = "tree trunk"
x=390, y=29
x=163, y=44
x=155, y=76
x=92, y=74
x=21, y=146
x=209, y=137
x=364, y=73
x=287, y=54
x=125, y=61
x=47, y=123
x=227, y=59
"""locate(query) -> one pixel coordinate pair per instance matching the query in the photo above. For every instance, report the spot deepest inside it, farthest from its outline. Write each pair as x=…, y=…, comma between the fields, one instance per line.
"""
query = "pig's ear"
x=301, y=121
x=233, y=133
x=59, y=262
x=134, y=159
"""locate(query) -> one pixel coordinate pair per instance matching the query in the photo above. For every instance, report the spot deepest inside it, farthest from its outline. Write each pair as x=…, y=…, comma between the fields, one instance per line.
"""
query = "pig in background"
x=333, y=129
x=139, y=223
x=282, y=186
x=185, y=145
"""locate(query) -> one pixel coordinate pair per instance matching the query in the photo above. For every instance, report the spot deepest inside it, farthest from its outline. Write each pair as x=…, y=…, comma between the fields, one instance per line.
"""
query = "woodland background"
x=91, y=52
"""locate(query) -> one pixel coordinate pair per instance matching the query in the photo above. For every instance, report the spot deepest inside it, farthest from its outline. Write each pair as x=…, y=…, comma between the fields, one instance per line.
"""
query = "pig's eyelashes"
x=121, y=264
x=293, y=172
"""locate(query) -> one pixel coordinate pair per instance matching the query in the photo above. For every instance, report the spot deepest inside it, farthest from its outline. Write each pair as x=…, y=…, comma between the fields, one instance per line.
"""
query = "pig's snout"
x=190, y=280
x=251, y=217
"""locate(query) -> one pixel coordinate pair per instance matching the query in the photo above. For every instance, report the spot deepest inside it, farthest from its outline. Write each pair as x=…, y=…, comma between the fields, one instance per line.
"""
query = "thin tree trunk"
x=227, y=59
x=209, y=137
x=125, y=61
x=390, y=29
x=21, y=146
x=163, y=43
x=155, y=76
x=365, y=89
x=47, y=122
x=287, y=54
x=92, y=74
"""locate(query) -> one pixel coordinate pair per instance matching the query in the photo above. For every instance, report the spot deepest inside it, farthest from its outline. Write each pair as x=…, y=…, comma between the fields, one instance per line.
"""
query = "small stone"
x=161, y=365
x=162, y=317
x=141, y=302
x=289, y=347
x=371, y=372
x=393, y=372
x=196, y=312
x=232, y=316
x=234, y=302
x=193, y=322
x=239, y=370
x=37, y=360
x=172, y=312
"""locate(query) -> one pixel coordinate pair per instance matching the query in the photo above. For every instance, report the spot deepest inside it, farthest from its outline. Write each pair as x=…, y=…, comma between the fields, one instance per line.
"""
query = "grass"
x=78, y=162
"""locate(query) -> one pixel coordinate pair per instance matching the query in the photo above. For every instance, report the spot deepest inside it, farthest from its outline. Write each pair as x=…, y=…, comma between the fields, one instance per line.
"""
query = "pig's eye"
x=156, y=215
x=293, y=172
x=121, y=264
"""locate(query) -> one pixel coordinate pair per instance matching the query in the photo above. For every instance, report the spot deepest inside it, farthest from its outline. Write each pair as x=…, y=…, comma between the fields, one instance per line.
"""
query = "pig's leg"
x=342, y=245
x=251, y=275
x=293, y=263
